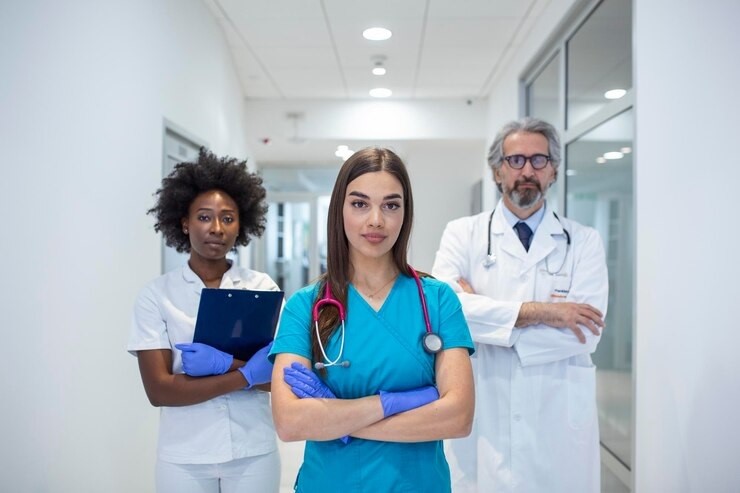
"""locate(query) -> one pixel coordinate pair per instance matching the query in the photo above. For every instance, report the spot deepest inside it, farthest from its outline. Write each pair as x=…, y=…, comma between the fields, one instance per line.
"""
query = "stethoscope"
x=431, y=342
x=491, y=257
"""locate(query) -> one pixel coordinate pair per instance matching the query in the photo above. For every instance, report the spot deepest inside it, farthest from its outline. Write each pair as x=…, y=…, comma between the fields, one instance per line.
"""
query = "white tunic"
x=232, y=426
x=535, y=427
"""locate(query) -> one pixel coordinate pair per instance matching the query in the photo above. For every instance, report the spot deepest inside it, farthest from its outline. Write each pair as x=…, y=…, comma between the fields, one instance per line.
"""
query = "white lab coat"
x=535, y=427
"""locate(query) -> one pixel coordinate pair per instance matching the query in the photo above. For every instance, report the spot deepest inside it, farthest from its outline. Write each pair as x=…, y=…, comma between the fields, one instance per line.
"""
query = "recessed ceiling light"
x=614, y=93
x=626, y=150
x=613, y=155
x=571, y=172
x=380, y=92
x=600, y=160
x=376, y=33
x=343, y=152
x=378, y=70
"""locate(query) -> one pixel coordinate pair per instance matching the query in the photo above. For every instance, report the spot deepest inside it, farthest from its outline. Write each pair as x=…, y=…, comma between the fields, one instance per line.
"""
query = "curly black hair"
x=209, y=172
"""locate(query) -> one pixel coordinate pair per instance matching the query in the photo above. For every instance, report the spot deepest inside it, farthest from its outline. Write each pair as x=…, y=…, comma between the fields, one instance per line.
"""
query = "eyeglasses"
x=517, y=161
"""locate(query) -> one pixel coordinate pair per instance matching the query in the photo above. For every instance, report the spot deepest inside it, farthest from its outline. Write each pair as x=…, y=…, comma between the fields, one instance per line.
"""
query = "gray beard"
x=524, y=199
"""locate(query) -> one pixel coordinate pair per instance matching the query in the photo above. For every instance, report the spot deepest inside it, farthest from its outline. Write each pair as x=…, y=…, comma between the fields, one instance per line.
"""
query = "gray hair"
x=530, y=125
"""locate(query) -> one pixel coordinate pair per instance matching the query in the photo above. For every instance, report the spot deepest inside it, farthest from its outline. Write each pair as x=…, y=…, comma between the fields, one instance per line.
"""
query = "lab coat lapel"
x=543, y=242
x=503, y=234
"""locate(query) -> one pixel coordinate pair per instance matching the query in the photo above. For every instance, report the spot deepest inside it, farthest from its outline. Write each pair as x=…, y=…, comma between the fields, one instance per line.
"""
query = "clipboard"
x=237, y=321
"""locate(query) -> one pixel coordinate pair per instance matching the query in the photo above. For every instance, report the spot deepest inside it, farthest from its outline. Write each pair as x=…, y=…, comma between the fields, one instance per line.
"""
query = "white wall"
x=84, y=89
x=442, y=175
x=687, y=173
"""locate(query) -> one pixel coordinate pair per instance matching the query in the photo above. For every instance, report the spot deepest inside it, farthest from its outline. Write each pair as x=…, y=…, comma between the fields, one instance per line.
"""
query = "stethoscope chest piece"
x=431, y=342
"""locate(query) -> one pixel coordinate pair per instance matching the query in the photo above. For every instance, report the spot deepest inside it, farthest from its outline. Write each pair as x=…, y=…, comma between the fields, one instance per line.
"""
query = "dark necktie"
x=525, y=233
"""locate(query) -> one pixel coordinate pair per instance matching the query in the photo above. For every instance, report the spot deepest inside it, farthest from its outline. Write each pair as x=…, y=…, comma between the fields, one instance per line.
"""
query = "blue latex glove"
x=258, y=369
x=199, y=360
x=305, y=384
x=398, y=402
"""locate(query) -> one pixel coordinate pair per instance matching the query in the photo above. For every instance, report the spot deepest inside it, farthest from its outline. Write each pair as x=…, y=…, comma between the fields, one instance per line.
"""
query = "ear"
x=184, y=224
x=497, y=175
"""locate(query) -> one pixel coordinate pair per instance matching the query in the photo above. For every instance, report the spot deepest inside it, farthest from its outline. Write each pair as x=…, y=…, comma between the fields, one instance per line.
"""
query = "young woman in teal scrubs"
x=373, y=421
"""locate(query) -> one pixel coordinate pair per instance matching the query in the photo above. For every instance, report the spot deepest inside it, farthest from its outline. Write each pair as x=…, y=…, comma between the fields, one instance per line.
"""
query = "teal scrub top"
x=385, y=352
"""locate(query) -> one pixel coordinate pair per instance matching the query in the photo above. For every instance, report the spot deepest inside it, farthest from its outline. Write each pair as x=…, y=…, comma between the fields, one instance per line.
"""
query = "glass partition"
x=599, y=63
x=543, y=93
x=599, y=185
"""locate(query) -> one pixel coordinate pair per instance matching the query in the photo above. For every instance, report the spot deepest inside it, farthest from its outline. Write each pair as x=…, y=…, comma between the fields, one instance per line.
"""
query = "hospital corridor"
x=562, y=303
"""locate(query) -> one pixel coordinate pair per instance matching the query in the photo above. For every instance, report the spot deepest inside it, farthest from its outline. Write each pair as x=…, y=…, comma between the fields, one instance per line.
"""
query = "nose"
x=216, y=226
x=527, y=169
x=375, y=217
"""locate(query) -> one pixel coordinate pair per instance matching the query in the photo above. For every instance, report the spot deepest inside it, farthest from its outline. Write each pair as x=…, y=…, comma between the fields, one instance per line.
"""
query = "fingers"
x=309, y=384
x=299, y=388
x=465, y=285
x=185, y=347
x=591, y=325
x=302, y=369
x=596, y=313
x=578, y=333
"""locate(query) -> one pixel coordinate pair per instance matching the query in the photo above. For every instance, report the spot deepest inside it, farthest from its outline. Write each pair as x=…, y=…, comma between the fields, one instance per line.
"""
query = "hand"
x=398, y=402
x=305, y=384
x=200, y=360
x=258, y=369
x=465, y=285
x=568, y=315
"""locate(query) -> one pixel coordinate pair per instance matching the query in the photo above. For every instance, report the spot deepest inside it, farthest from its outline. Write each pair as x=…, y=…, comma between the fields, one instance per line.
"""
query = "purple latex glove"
x=258, y=369
x=398, y=402
x=200, y=360
x=305, y=384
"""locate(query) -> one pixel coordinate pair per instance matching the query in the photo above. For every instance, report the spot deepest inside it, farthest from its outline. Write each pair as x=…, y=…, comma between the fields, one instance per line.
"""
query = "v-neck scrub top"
x=385, y=352
x=230, y=426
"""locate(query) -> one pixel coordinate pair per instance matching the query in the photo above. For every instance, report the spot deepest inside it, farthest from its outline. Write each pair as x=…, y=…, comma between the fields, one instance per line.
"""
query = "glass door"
x=293, y=247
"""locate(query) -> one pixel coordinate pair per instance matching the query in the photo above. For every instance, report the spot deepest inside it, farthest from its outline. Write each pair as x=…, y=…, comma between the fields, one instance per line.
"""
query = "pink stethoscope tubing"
x=329, y=299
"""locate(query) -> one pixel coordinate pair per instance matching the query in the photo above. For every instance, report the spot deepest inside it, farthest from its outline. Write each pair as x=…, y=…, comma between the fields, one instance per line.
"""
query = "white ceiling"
x=314, y=49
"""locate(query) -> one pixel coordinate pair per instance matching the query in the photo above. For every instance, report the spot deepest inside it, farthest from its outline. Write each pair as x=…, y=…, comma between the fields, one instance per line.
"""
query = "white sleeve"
x=148, y=327
x=490, y=321
x=538, y=344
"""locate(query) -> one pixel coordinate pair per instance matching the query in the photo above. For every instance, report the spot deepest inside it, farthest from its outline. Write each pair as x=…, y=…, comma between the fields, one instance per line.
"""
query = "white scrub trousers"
x=260, y=473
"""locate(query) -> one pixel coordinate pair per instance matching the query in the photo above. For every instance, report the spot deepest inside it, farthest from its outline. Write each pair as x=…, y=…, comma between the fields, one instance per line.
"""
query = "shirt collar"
x=230, y=279
x=532, y=221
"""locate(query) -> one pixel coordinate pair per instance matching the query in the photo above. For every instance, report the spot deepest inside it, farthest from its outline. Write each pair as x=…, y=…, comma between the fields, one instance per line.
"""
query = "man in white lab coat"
x=534, y=288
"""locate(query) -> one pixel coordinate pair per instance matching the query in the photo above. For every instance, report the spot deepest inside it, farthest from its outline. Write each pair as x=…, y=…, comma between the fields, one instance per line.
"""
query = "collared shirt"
x=532, y=221
x=231, y=426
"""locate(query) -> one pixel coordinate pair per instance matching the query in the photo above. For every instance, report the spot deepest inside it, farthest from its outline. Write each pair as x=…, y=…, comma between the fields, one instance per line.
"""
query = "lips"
x=374, y=238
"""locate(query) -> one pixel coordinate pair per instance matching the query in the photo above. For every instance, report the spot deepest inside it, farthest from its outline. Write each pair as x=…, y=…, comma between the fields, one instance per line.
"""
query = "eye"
x=393, y=206
x=204, y=217
x=358, y=204
x=228, y=219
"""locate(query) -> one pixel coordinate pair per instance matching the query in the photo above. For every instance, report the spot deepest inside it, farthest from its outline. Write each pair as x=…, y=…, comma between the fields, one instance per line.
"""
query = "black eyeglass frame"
x=536, y=157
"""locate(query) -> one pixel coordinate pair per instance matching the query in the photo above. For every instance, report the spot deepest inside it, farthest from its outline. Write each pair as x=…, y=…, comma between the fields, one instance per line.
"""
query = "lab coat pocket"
x=581, y=396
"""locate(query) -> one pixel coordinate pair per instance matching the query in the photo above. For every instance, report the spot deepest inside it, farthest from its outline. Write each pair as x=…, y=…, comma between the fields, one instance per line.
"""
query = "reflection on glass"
x=599, y=59
x=542, y=93
x=600, y=195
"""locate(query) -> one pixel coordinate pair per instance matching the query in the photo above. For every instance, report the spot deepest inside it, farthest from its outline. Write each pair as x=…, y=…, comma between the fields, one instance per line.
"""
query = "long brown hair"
x=368, y=160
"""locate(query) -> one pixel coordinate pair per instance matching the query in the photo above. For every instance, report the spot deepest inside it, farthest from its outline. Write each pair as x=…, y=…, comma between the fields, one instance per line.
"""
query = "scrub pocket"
x=581, y=396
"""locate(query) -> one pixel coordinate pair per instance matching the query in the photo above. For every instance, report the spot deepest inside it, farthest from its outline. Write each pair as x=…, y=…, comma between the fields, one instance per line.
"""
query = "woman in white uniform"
x=216, y=432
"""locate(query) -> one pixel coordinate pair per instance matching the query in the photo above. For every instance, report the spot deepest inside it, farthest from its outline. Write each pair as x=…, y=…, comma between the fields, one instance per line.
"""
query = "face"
x=212, y=225
x=373, y=214
x=524, y=189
